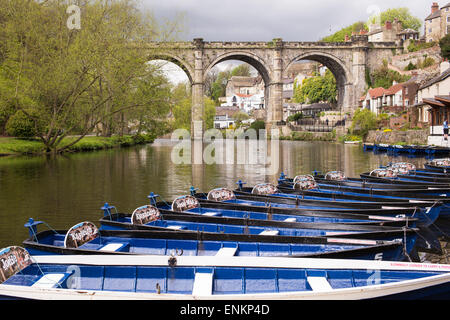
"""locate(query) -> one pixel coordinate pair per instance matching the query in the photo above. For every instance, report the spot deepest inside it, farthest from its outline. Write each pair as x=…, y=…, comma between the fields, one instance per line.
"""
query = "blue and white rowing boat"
x=142, y=277
x=427, y=212
x=180, y=219
x=85, y=238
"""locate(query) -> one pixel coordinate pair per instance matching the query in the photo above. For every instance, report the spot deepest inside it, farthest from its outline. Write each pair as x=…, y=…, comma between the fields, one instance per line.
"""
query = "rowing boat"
x=126, y=242
x=185, y=277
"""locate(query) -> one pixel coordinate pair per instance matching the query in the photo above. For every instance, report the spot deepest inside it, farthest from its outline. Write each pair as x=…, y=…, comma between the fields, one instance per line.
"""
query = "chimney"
x=434, y=7
x=388, y=25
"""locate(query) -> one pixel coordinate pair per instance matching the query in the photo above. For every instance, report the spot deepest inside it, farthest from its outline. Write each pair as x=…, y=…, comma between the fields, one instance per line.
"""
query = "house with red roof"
x=392, y=100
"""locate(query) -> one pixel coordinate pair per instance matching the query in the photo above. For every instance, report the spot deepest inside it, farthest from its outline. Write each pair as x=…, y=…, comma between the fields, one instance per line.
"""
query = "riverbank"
x=17, y=146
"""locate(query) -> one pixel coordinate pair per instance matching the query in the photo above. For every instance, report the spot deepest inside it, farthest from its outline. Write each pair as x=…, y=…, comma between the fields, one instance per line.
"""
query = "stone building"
x=244, y=85
x=437, y=23
x=386, y=33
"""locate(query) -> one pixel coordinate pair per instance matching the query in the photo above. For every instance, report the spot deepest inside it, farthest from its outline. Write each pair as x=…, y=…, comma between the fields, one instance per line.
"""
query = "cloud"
x=263, y=20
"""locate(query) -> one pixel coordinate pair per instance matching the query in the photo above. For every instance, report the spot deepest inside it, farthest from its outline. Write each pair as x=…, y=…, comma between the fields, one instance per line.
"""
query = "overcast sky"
x=264, y=20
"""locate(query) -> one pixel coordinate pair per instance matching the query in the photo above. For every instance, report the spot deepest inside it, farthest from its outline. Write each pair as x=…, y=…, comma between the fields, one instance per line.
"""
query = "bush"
x=363, y=121
x=444, y=44
x=410, y=66
x=19, y=125
x=295, y=117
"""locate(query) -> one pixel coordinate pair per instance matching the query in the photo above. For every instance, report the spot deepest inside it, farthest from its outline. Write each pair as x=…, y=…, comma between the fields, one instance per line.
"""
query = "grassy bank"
x=14, y=146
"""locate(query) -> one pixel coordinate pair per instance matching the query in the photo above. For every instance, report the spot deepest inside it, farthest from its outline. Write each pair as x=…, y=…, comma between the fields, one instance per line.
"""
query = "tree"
x=76, y=80
x=363, y=121
x=384, y=77
x=402, y=14
x=316, y=89
x=339, y=36
x=444, y=43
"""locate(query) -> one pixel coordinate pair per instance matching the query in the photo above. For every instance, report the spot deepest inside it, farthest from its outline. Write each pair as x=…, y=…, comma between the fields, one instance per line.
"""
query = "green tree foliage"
x=363, y=121
x=316, y=89
x=20, y=125
x=182, y=109
x=384, y=77
x=402, y=14
x=76, y=80
x=339, y=36
x=444, y=44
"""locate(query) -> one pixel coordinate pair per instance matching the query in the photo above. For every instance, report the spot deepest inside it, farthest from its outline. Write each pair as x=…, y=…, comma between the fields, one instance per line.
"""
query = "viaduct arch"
x=348, y=61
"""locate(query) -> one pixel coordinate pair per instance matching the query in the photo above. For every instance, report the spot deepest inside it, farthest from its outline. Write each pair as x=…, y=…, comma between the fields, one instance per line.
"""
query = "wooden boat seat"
x=51, y=280
x=114, y=246
x=290, y=220
x=226, y=252
x=212, y=214
x=319, y=284
x=270, y=233
x=176, y=227
x=203, y=283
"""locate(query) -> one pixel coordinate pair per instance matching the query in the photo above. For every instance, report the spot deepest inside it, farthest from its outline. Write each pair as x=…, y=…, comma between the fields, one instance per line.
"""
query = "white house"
x=245, y=102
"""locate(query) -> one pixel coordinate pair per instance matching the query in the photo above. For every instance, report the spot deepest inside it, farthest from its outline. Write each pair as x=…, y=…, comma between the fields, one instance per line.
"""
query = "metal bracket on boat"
x=240, y=184
x=172, y=261
x=176, y=253
x=107, y=210
x=32, y=227
x=193, y=191
x=152, y=198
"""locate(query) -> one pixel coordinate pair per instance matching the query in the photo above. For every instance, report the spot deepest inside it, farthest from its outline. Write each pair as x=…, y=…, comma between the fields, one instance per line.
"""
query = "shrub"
x=363, y=121
x=19, y=125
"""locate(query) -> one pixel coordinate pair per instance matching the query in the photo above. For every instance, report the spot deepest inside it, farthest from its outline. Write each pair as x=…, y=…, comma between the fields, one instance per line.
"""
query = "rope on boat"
x=434, y=223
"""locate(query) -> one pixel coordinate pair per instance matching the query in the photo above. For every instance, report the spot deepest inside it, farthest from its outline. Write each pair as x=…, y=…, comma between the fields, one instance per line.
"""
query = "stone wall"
x=393, y=137
x=401, y=61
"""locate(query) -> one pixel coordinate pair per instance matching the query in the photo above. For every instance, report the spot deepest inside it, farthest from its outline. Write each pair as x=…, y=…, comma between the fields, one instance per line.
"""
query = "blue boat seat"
x=51, y=280
x=115, y=246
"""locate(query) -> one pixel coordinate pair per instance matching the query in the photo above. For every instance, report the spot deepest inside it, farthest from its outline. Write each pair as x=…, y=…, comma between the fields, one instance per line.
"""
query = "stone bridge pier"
x=348, y=61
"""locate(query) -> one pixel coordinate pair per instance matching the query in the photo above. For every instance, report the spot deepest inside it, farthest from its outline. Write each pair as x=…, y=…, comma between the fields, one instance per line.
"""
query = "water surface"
x=68, y=189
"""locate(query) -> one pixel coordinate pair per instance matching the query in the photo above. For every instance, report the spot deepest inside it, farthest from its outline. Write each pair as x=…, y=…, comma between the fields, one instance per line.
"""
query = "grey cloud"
x=263, y=20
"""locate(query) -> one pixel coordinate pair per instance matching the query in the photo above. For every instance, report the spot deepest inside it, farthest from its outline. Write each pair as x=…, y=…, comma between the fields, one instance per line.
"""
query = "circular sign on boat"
x=445, y=162
x=335, y=175
x=305, y=185
x=13, y=260
x=145, y=214
x=402, y=167
x=221, y=194
x=303, y=177
x=264, y=189
x=184, y=203
x=80, y=234
x=383, y=173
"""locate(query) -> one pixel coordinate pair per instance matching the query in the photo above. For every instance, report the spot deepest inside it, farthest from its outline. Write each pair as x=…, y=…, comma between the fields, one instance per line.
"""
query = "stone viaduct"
x=348, y=62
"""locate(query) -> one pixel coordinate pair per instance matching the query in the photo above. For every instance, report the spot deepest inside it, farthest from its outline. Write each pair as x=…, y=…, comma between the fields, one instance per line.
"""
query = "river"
x=65, y=190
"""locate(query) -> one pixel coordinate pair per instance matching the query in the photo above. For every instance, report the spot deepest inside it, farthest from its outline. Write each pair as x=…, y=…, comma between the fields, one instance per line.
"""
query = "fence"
x=315, y=125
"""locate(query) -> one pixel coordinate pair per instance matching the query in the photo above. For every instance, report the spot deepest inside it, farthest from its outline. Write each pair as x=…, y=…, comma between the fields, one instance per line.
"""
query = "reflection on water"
x=63, y=191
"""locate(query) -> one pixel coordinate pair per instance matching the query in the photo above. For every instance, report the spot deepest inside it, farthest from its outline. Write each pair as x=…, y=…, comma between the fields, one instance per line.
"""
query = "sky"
x=264, y=20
